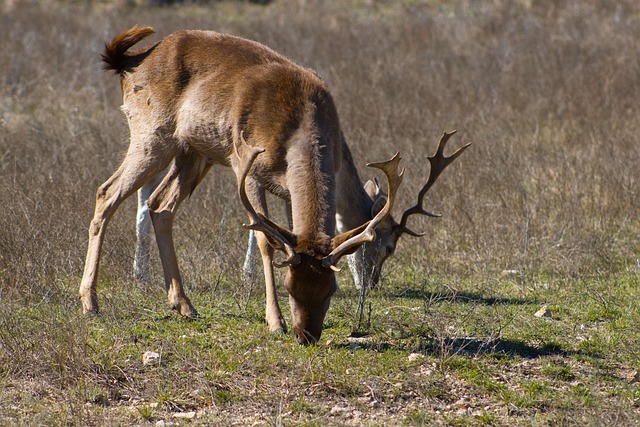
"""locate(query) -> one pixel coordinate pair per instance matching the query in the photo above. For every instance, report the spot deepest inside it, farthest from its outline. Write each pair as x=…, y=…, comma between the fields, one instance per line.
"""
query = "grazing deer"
x=198, y=98
x=356, y=204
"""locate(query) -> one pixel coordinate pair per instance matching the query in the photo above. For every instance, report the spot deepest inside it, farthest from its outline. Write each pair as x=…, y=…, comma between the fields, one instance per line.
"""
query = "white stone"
x=510, y=272
x=415, y=356
x=339, y=409
x=151, y=358
x=543, y=312
x=185, y=415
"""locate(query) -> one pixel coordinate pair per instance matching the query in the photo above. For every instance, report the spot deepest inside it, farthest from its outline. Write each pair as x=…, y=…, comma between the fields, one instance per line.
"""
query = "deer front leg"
x=249, y=265
x=143, y=229
x=256, y=196
x=143, y=232
x=273, y=314
x=252, y=196
x=143, y=238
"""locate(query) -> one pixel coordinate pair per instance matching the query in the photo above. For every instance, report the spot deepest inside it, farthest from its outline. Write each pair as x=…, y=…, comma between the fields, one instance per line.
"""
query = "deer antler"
x=394, y=179
x=259, y=222
x=438, y=163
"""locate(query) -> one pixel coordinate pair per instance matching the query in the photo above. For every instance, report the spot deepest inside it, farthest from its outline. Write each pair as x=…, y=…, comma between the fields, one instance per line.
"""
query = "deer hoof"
x=186, y=310
x=193, y=315
x=278, y=329
x=90, y=314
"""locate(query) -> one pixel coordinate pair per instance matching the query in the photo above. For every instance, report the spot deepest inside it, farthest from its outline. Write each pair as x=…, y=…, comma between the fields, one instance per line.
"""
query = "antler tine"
x=258, y=223
x=394, y=179
x=438, y=163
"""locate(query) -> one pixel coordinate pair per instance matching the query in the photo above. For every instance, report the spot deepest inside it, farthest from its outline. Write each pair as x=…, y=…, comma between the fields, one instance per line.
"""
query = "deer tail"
x=115, y=55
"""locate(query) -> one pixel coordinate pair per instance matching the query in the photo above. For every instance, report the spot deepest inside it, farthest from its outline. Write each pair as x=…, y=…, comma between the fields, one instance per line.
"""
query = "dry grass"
x=547, y=91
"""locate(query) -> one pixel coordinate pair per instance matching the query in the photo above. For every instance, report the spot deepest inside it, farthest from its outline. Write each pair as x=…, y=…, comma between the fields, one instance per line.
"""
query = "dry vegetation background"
x=548, y=91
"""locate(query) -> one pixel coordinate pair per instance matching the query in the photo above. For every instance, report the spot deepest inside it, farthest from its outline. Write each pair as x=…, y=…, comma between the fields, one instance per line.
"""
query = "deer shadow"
x=510, y=348
x=455, y=296
x=469, y=346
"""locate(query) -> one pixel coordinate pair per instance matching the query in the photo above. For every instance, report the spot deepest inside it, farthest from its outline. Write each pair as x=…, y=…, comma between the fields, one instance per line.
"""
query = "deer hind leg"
x=143, y=230
x=134, y=171
x=182, y=177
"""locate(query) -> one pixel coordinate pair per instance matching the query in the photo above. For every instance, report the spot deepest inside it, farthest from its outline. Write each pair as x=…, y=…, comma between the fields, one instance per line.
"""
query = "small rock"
x=510, y=272
x=415, y=356
x=462, y=412
x=461, y=403
x=359, y=339
x=185, y=415
x=426, y=371
x=163, y=423
x=151, y=358
x=338, y=409
x=543, y=312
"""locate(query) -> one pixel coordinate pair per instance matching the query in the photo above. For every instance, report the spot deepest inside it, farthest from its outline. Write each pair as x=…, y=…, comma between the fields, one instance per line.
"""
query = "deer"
x=357, y=203
x=201, y=98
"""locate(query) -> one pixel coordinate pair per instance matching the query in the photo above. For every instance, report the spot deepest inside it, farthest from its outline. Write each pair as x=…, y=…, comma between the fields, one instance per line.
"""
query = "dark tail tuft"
x=115, y=56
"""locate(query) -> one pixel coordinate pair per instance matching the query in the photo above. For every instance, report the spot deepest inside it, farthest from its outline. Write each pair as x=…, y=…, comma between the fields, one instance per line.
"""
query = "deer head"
x=366, y=264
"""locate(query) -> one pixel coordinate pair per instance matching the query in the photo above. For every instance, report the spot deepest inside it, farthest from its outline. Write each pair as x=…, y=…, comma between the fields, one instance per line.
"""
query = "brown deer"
x=199, y=98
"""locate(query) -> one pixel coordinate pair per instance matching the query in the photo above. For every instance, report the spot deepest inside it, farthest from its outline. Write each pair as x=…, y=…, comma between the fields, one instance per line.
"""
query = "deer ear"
x=378, y=204
x=377, y=195
x=372, y=188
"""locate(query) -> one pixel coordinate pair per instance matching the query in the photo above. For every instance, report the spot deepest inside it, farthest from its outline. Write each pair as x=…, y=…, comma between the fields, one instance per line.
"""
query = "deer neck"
x=353, y=204
x=311, y=183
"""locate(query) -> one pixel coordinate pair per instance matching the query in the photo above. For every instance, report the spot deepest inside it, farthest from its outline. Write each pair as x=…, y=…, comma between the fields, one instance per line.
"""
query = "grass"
x=447, y=359
x=541, y=210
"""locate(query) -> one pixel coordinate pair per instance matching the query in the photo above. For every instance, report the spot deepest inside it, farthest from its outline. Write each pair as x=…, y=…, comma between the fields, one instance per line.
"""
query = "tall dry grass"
x=548, y=92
